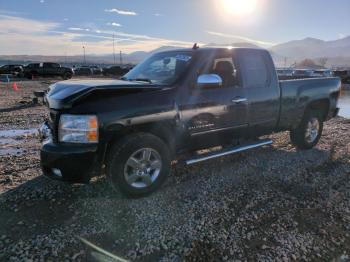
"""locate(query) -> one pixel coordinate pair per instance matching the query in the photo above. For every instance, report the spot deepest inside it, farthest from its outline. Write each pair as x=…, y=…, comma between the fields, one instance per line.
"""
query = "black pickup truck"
x=177, y=102
x=47, y=69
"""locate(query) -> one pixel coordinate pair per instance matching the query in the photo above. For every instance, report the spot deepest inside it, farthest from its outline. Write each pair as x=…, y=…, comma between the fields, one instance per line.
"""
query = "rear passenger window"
x=255, y=70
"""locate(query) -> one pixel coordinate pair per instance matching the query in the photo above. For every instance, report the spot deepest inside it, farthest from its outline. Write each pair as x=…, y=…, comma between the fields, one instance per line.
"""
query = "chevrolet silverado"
x=177, y=102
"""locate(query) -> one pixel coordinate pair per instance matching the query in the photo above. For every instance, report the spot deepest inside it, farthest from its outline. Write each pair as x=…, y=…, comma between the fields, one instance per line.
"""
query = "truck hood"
x=63, y=94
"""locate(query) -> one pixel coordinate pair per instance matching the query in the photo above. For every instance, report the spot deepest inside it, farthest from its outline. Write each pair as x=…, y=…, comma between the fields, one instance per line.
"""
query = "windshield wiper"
x=142, y=80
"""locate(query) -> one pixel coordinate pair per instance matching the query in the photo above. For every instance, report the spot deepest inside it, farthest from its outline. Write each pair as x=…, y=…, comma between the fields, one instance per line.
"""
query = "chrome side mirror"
x=209, y=80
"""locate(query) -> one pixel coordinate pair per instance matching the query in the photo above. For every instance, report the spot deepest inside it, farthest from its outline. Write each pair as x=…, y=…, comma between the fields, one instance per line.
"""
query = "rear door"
x=262, y=89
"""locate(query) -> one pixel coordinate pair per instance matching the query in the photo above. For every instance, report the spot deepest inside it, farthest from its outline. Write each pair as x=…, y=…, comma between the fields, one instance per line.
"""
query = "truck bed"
x=297, y=93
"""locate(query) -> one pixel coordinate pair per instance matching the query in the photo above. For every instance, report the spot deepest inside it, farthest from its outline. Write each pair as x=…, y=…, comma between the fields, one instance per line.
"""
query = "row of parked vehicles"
x=55, y=69
x=291, y=73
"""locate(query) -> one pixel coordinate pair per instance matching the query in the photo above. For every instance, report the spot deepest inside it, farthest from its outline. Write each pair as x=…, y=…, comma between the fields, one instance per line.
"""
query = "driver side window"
x=224, y=67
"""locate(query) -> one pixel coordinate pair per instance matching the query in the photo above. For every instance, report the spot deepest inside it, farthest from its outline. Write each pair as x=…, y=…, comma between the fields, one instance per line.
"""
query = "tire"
x=67, y=76
x=309, y=132
x=128, y=169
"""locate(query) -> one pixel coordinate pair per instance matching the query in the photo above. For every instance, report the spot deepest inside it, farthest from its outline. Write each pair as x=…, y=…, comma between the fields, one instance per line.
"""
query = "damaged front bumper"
x=68, y=162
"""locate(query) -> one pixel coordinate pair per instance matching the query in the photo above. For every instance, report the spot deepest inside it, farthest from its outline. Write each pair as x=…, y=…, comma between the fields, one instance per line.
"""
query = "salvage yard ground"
x=272, y=203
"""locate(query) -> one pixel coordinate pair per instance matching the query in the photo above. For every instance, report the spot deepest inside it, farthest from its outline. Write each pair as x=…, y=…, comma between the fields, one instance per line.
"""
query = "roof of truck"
x=204, y=49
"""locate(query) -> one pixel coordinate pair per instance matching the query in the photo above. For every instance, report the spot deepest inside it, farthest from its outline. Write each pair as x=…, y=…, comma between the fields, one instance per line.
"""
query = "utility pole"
x=84, y=55
x=120, y=58
x=113, y=50
x=65, y=57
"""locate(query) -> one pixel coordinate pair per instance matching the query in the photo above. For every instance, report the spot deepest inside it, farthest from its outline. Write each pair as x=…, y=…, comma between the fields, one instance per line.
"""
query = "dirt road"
x=273, y=203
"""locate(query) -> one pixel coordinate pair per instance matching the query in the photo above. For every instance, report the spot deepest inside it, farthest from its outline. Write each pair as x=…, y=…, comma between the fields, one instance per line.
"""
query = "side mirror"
x=209, y=80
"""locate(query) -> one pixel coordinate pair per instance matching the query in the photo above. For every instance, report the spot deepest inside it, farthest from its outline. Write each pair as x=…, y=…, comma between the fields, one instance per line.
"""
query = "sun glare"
x=239, y=7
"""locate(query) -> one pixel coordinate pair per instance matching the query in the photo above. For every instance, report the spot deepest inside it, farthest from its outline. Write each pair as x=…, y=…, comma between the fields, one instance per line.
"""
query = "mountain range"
x=336, y=53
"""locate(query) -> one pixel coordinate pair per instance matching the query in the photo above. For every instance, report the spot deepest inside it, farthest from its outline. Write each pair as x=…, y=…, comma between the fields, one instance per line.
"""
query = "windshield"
x=162, y=68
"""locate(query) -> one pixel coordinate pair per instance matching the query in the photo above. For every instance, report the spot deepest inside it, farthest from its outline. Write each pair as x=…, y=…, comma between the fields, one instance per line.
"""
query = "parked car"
x=285, y=72
x=47, y=69
x=344, y=75
x=303, y=73
x=115, y=71
x=96, y=70
x=323, y=73
x=83, y=71
x=177, y=102
x=16, y=70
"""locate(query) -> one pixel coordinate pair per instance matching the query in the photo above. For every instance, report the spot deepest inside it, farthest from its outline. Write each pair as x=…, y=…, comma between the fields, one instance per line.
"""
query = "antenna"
x=195, y=46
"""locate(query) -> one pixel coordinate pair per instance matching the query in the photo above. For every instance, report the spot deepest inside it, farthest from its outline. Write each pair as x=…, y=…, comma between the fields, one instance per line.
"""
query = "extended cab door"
x=209, y=112
x=262, y=89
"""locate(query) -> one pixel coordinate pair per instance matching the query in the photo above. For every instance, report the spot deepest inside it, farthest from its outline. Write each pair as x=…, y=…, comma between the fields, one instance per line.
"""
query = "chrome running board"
x=229, y=151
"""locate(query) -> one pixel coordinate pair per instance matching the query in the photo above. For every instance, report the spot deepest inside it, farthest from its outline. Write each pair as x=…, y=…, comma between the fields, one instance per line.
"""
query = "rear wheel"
x=138, y=164
x=309, y=132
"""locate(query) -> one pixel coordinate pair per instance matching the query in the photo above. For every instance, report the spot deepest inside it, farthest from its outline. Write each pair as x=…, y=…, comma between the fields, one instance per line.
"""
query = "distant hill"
x=335, y=53
x=134, y=57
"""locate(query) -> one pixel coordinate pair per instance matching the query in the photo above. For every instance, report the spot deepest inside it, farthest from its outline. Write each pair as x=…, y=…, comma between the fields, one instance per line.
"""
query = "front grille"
x=53, y=123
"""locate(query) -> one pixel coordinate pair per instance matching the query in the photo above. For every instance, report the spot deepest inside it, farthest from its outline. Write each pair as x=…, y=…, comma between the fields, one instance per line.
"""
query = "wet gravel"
x=270, y=204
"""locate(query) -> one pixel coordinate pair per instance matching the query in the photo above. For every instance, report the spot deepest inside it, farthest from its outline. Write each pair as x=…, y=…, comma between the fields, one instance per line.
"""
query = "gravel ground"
x=269, y=204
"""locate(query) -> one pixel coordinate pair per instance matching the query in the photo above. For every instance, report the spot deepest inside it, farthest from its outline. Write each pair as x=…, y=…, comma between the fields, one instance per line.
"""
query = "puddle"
x=17, y=133
x=11, y=152
x=9, y=141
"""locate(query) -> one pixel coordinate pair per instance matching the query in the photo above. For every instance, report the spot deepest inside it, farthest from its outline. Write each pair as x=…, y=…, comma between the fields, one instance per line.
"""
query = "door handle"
x=238, y=100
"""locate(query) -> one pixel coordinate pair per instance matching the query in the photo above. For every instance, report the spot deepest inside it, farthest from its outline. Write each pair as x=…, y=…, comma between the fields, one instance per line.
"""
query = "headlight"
x=78, y=129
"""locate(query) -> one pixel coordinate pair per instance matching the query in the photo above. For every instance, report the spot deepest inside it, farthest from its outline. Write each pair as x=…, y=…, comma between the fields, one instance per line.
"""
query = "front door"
x=210, y=113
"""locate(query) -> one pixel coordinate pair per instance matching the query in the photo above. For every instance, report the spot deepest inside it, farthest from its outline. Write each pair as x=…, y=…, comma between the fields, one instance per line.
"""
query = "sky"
x=62, y=27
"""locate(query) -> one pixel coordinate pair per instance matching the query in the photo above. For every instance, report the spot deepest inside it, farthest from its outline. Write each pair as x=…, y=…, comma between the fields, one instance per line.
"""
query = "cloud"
x=42, y=1
x=65, y=19
x=78, y=29
x=341, y=35
x=114, y=24
x=157, y=14
x=120, y=12
x=48, y=38
x=8, y=12
x=243, y=38
x=14, y=24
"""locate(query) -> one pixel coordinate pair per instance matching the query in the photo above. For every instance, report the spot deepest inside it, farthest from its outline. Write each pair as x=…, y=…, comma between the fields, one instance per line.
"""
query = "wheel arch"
x=322, y=105
x=163, y=130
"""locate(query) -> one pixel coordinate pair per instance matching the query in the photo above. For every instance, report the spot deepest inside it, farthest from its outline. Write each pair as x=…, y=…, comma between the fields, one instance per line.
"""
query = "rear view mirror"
x=209, y=80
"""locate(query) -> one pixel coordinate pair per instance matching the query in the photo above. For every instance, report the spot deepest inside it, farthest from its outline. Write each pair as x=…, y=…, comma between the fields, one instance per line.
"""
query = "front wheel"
x=309, y=132
x=138, y=164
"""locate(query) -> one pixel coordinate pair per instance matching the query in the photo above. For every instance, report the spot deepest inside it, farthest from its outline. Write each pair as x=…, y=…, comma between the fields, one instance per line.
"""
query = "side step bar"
x=229, y=152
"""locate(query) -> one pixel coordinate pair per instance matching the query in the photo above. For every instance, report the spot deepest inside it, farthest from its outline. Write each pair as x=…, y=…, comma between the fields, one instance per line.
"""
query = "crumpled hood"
x=64, y=94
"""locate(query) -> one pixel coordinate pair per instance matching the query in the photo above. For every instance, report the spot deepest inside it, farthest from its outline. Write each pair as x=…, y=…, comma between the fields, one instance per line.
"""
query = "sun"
x=239, y=7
